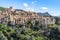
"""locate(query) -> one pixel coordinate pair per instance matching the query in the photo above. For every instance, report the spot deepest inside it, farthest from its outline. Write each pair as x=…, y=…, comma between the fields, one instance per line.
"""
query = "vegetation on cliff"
x=29, y=32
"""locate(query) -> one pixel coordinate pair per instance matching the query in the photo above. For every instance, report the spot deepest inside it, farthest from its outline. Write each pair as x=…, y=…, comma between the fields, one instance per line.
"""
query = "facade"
x=47, y=18
x=20, y=17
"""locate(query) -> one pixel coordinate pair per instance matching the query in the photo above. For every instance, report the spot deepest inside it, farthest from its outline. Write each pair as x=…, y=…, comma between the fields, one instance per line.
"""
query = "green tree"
x=2, y=37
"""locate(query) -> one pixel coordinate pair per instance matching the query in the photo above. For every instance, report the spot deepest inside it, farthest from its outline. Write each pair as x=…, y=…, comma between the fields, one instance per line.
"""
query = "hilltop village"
x=17, y=16
x=17, y=24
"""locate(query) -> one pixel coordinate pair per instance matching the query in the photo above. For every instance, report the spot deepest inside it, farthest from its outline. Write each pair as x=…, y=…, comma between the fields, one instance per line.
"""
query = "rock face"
x=16, y=16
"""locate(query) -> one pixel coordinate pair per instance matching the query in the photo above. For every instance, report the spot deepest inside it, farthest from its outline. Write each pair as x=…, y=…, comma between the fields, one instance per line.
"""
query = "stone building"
x=47, y=18
x=17, y=16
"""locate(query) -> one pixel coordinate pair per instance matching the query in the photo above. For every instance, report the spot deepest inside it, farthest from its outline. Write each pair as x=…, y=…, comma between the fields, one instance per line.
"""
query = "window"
x=47, y=19
x=21, y=13
x=51, y=19
x=43, y=19
x=29, y=14
x=34, y=18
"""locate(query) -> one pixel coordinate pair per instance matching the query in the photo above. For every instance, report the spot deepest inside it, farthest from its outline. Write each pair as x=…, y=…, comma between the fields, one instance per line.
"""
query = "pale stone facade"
x=20, y=17
x=48, y=20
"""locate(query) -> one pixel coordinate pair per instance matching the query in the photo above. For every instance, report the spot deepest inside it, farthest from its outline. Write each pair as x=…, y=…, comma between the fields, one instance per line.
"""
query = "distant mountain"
x=19, y=10
x=57, y=16
x=44, y=14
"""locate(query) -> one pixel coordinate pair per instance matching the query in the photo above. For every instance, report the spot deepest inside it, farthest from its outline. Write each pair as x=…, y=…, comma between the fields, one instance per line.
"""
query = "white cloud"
x=44, y=9
x=25, y=5
x=29, y=9
x=33, y=2
x=32, y=10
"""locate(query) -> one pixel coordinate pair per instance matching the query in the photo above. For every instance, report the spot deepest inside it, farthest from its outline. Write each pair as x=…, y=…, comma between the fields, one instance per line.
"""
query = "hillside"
x=2, y=8
x=17, y=24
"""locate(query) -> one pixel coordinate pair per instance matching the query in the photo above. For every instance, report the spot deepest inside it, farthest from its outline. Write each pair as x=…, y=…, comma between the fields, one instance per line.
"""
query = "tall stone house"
x=47, y=18
x=17, y=16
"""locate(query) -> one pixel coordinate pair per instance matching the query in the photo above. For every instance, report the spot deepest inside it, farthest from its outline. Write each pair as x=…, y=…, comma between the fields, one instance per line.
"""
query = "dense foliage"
x=57, y=20
x=29, y=31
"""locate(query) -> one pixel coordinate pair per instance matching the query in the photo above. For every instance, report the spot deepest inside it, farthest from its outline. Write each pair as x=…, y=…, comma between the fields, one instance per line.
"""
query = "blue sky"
x=52, y=6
